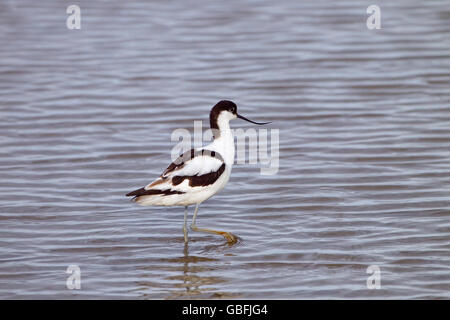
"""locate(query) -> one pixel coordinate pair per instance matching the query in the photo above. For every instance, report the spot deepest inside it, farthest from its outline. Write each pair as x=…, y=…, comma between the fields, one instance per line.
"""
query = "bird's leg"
x=194, y=217
x=231, y=238
x=185, y=231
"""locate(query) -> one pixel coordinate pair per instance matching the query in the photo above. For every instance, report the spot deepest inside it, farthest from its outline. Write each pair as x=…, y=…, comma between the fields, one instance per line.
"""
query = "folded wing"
x=195, y=168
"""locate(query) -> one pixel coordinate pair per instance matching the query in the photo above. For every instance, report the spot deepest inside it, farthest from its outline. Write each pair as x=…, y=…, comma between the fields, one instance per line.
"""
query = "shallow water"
x=364, y=176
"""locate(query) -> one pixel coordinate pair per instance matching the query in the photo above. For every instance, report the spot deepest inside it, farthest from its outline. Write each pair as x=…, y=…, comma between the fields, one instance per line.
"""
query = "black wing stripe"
x=202, y=180
x=143, y=192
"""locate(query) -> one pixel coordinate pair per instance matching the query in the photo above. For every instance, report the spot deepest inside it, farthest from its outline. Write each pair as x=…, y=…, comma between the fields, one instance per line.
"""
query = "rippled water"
x=364, y=120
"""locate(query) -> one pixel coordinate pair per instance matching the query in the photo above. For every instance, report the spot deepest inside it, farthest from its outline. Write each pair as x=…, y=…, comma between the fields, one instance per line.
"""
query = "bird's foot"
x=231, y=238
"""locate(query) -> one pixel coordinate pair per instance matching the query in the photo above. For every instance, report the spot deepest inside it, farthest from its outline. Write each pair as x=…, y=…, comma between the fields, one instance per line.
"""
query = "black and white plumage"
x=199, y=173
x=192, y=178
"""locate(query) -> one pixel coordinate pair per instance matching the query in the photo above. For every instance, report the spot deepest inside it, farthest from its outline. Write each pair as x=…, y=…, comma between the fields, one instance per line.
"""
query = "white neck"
x=224, y=144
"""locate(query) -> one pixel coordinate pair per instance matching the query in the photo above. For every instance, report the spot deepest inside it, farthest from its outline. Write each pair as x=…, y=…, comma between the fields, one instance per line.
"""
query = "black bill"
x=244, y=118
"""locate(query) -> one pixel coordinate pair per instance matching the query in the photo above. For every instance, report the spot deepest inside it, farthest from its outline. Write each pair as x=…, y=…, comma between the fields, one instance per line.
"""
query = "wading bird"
x=198, y=174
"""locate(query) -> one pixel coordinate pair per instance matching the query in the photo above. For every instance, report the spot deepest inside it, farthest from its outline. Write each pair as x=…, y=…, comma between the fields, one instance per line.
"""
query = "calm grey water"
x=364, y=120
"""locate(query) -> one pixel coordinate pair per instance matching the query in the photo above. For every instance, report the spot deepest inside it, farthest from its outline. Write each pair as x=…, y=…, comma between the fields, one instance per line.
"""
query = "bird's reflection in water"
x=197, y=278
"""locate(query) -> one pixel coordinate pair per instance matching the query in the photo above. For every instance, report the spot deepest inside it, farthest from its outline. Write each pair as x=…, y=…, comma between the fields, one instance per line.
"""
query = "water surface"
x=364, y=120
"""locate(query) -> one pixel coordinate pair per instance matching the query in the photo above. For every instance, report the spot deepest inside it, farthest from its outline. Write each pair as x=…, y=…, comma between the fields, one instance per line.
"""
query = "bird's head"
x=223, y=112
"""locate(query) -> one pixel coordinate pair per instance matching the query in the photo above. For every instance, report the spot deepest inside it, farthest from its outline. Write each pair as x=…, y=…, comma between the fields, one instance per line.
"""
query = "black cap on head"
x=223, y=105
x=230, y=106
x=226, y=105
